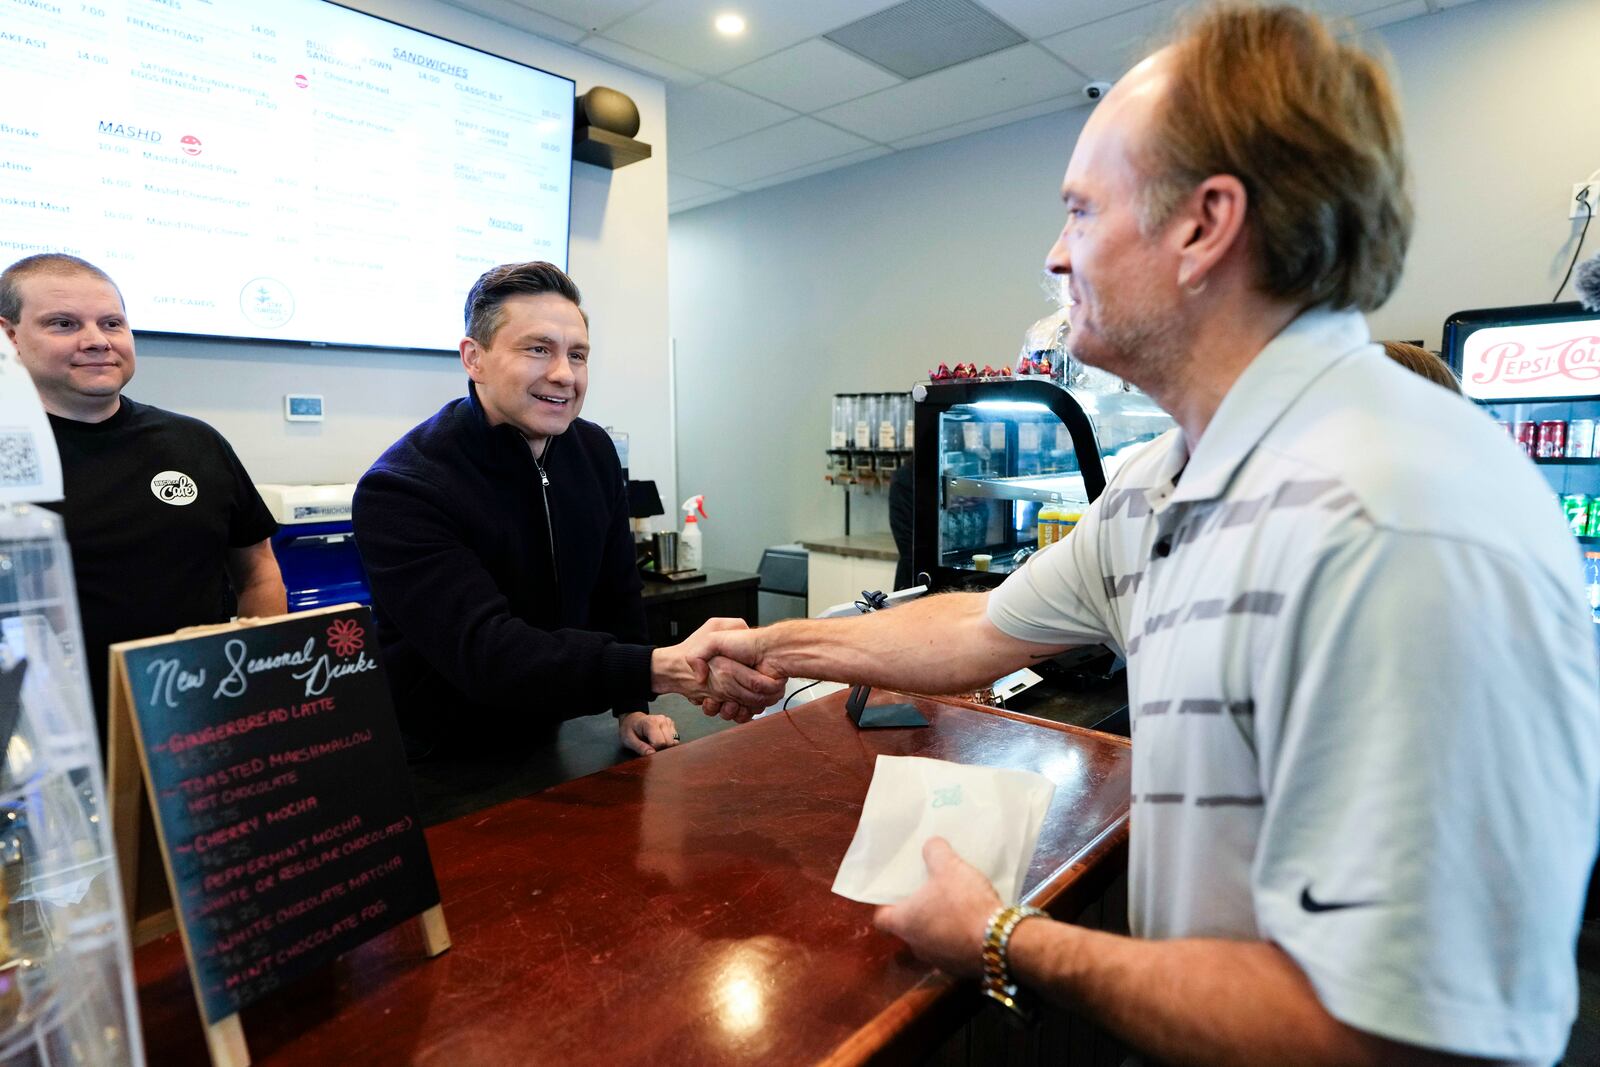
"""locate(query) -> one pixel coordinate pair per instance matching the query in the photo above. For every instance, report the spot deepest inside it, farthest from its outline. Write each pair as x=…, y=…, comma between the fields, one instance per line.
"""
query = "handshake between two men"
x=938, y=644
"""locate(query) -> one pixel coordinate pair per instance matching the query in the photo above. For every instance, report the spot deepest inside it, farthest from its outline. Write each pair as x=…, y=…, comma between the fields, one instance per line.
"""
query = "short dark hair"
x=44, y=263
x=495, y=286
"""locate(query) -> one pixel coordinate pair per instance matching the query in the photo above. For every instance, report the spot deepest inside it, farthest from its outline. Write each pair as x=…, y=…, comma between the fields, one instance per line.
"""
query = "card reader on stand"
x=855, y=706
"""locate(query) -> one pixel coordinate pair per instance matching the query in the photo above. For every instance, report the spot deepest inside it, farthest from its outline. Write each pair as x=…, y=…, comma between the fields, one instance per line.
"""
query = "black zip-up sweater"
x=489, y=632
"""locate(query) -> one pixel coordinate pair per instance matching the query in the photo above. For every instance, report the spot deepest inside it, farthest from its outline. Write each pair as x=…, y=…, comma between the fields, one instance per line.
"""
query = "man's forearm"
x=1243, y=1003
x=938, y=644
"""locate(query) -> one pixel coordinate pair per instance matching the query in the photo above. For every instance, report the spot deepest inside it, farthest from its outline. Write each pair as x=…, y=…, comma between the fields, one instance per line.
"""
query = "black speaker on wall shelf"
x=604, y=124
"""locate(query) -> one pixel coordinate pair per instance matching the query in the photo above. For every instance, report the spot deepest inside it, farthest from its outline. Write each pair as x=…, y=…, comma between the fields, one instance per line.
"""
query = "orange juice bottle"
x=1067, y=516
x=1049, y=523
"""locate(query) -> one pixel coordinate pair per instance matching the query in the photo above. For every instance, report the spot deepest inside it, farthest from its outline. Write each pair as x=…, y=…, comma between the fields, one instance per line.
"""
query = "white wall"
x=863, y=278
x=618, y=258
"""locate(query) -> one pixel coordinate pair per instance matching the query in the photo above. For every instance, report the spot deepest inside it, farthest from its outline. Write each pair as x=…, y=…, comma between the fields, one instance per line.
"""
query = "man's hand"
x=725, y=652
x=644, y=733
x=691, y=668
x=943, y=922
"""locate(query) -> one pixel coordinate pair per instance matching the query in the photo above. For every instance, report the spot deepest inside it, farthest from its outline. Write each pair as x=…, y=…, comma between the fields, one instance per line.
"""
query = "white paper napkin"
x=991, y=816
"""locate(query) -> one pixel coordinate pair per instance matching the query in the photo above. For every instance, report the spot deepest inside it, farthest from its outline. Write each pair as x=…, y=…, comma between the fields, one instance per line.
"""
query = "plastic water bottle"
x=1592, y=574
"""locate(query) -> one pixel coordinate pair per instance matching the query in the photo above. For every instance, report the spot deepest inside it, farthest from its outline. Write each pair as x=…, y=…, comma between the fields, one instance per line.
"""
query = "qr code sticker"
x=19, y=461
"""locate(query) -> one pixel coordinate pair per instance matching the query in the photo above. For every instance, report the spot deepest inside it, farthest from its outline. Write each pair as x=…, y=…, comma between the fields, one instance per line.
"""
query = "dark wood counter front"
x=673, y=910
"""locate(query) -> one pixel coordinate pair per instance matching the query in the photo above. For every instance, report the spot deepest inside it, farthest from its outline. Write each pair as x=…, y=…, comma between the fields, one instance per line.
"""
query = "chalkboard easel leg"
x=225, y=1039
x=435, y=935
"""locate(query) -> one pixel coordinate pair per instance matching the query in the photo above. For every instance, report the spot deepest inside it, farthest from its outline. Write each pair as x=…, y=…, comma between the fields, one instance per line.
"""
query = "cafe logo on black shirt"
x=175, y=488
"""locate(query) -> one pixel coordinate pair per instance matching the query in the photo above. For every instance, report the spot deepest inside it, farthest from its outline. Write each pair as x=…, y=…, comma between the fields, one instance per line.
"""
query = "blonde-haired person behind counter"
x=1423, y=362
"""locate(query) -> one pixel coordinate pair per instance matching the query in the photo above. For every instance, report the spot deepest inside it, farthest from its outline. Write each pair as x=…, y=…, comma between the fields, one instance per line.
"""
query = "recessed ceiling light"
x=729, y=24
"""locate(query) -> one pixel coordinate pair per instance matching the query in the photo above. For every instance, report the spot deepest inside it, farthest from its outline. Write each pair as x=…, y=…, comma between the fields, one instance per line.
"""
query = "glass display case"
x=66, y=991
x=1005, y=466
x=1536, y=370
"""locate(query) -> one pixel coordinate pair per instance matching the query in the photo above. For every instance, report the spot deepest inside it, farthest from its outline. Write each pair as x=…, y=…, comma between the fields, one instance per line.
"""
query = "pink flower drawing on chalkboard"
x=346, y=637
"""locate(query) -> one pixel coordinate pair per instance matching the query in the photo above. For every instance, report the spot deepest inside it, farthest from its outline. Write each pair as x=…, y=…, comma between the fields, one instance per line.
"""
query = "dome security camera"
x=1095, y=90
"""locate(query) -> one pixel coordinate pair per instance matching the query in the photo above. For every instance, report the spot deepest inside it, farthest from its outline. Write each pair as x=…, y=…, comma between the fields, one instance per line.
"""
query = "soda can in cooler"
x=1580, y=438
x=1527, y=434
x=1576, y=505
x=1594, y=519
x=1552, y=439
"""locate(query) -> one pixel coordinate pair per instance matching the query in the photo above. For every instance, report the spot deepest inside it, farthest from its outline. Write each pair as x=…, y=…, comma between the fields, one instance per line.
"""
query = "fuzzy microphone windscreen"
x=1588, y=282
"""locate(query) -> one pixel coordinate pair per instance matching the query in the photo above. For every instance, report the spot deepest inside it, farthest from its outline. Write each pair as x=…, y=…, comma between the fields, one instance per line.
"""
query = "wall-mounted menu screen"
x=293, y=171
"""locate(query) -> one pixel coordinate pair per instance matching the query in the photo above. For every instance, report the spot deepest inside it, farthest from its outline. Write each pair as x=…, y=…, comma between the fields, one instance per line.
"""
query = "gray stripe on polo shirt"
x=1242, y=512
x=1163, y=798
x=1122, y=584
x=1133, y=499
x=1200, y=707
x=1299, y=494
x=1257, y=602
x=1133, y=644
x=1223, y=800
x=1165, y=621
x=1155, y=707
x=1252, y=602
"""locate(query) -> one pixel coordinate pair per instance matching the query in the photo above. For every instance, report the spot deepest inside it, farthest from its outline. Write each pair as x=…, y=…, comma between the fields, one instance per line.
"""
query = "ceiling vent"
x=921, y=36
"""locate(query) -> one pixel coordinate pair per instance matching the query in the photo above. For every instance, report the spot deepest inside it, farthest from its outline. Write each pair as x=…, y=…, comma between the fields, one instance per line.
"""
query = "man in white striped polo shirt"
x=1363, y=683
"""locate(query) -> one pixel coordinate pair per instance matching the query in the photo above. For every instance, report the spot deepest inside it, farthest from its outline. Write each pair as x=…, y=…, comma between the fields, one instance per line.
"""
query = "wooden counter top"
x=673, y=910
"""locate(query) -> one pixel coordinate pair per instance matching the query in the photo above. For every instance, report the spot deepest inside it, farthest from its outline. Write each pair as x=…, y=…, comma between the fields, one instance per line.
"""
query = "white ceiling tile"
x=1040, y=18
x=847, y=160
x=520, y=17
x=1001, y=118
x=1410, y=9
x=701, y=201
x=683, y=187
x=680, y=30
x=588, y=15
x=632, y=57
x=999, y=82
x=1107, y=48
x=711, y=113
x=812, y=75
x=797, y=143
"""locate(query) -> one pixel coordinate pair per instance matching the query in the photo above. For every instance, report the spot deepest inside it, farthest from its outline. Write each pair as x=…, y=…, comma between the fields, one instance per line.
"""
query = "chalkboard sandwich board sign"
x=285, y=812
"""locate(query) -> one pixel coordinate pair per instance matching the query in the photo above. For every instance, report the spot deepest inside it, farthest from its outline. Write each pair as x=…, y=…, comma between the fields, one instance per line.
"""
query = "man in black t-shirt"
x=165, y=527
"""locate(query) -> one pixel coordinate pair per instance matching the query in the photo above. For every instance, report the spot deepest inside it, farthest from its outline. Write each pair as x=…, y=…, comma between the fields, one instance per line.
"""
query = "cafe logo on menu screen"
x=1537, y=360
x=175, y=488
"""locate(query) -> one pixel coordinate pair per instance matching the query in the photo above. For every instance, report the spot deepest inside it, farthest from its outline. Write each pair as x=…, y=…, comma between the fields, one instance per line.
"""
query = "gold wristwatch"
x=997, y=982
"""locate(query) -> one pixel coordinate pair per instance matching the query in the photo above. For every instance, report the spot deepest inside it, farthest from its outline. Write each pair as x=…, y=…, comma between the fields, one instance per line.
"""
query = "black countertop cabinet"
x=674, y=610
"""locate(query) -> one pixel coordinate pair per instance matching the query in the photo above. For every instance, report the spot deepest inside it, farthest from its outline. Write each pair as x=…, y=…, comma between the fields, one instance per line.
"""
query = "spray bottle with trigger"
x=689, y=555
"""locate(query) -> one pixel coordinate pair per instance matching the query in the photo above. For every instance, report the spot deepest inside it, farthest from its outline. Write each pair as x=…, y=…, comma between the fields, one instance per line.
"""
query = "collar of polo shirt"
x=1272, y=382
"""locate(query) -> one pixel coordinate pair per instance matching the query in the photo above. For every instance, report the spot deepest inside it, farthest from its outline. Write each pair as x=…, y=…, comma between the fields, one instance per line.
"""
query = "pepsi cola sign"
x=1537, y=360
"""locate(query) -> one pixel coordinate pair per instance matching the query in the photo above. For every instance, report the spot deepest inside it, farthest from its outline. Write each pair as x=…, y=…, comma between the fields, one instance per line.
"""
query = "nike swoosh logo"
x=1314, y=906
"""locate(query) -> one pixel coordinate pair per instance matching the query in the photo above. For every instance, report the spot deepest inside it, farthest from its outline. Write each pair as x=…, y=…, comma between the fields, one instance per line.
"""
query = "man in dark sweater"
x=495, y=536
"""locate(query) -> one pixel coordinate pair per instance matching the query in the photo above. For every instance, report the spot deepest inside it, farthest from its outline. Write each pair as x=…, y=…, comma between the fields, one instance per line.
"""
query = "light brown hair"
x=1423, y=362
x=57, y=263
x=1309, y=125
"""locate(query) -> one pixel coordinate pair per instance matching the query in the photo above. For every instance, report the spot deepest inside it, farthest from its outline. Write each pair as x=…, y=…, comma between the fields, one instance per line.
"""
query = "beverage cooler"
x=1005, y=466
x=1536, y=370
